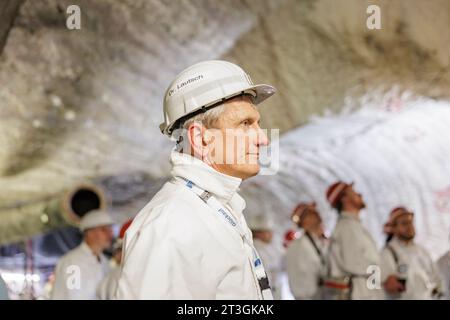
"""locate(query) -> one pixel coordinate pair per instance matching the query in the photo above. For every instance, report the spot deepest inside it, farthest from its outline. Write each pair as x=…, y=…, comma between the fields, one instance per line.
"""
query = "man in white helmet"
x=191, y=241
x=306, y=256
x=79, y=271
x=407, y=269
x=353, y=254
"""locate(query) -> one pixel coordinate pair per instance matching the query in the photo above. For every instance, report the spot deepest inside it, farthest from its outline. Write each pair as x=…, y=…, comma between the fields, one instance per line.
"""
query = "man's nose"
x=262, y=139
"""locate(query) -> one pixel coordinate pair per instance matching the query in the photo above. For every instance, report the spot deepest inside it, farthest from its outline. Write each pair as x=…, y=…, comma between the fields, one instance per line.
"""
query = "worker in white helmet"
x=191, y=241
x=79, y=272
x=306, y=256
x=408, y=271
x=353, y=254
x=271, y=254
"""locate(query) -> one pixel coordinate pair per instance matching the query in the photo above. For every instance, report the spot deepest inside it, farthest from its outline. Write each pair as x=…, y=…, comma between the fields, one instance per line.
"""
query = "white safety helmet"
x=205, y=85
x=94, y=219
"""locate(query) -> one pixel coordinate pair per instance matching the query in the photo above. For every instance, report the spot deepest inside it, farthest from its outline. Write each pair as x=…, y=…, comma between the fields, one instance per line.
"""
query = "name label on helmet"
x=185, y=83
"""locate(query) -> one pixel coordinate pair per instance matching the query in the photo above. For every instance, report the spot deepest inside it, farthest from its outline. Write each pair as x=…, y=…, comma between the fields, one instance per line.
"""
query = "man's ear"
x=198, y=140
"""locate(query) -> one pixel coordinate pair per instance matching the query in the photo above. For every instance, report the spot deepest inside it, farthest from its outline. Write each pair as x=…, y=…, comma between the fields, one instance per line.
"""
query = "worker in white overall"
x=353, y=254
x=191, y=241
x=306, y=256
x=408, y=271
x=79, y=272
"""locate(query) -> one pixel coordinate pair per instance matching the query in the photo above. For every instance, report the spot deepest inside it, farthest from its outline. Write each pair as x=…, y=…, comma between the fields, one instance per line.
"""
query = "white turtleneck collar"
x=349, y=215
x=401, y=243
x=222, y=186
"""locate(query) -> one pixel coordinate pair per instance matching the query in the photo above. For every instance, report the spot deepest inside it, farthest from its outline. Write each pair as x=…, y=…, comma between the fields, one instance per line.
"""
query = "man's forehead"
x=241, y=107
x=348, y=189
x=406, y=216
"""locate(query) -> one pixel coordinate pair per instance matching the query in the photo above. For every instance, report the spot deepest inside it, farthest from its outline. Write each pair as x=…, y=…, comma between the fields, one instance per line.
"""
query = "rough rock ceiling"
x=82, y=104
x=91, y=99
x=320, y=52
x=8, y=12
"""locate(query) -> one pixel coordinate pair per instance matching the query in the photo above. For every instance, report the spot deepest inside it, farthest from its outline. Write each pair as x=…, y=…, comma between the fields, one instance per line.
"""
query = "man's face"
x=403, y=227
x=311, y=219
x=353, y=198
x=237, y=139
x=102, y=236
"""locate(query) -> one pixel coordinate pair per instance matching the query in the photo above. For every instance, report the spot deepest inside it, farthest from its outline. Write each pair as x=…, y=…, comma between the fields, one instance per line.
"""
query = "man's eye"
x=245, y=122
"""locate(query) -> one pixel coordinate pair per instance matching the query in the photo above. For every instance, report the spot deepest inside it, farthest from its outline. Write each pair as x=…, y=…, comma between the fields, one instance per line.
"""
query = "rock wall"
x=80, y=104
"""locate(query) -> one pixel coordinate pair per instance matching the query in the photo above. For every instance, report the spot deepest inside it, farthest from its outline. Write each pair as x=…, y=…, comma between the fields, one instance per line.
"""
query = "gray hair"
x=208, y=119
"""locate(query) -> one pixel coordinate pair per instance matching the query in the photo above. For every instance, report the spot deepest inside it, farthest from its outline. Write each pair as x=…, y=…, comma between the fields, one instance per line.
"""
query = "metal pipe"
x=25, y=220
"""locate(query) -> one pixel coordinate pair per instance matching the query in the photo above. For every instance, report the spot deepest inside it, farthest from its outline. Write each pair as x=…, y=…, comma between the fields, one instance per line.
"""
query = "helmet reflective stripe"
x=204, y=85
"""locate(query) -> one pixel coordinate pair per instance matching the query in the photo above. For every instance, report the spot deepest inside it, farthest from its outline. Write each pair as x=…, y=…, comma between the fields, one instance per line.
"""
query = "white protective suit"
x=444, y=269
x=422, y=275
x=305, y=267
x=108, y=286
x=178, y=247
x=78, y=274
x=352, y=252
